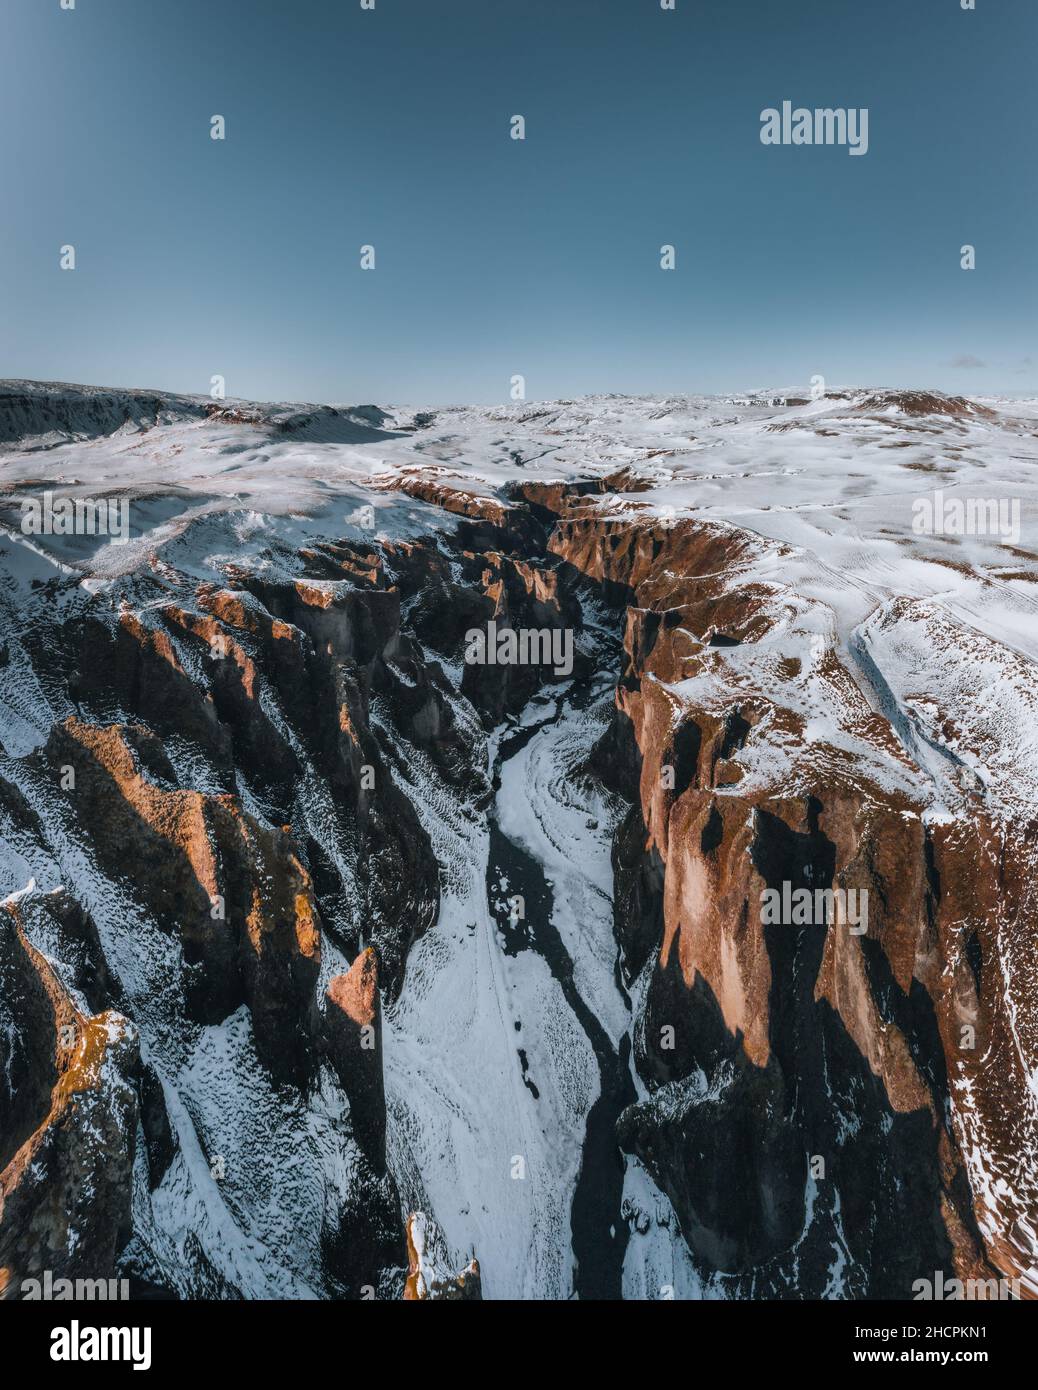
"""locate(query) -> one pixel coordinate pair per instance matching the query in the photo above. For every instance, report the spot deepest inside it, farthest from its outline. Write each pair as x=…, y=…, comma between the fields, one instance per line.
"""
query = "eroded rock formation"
x=68, y=1111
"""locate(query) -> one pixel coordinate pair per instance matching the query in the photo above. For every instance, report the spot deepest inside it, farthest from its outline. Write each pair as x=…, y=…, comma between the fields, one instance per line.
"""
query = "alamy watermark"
x=78, y=1342
x=49, y=1289
x=80, y=516
x=941, y=515
x=827, y=125
x=524, y=646
x=804, y=907
x=958, y=1290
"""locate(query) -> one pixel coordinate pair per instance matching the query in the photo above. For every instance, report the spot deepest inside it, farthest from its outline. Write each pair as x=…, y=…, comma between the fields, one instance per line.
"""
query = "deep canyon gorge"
x=333, y=965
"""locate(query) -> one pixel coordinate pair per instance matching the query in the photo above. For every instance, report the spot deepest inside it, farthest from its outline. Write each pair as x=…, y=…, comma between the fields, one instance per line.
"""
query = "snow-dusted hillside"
x=782, y=589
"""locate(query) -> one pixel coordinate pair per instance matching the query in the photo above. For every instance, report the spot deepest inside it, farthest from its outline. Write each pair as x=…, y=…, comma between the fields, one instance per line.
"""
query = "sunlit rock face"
x=69, y=1110
x=339, y=960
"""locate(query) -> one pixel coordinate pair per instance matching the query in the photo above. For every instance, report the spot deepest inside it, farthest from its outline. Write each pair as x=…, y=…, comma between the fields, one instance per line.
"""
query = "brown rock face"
x=491, y=585
x=348, y=653
x=221, y=755
x=234, y=891
x=68, y=1114
x=816, y=1063
x=353, y=1041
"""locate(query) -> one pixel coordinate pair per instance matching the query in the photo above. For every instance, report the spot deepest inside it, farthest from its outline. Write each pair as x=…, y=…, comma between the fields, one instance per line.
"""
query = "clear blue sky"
x=494, y=256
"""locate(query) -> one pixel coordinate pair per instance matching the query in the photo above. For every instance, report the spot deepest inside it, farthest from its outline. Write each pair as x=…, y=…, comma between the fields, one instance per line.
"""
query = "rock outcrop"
x=353, y=1040
x=429, y=1273
x=802, y=1058
x=68, y=1114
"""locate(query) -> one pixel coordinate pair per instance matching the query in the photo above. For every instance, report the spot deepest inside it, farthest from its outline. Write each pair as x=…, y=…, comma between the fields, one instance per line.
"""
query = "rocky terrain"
x=335, y=965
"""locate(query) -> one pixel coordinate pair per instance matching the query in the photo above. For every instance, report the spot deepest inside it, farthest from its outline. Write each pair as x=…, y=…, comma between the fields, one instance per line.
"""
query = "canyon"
x=336, y=964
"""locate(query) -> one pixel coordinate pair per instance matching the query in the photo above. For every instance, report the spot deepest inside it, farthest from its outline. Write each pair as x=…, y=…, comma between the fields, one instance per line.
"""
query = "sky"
x=495, y=257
